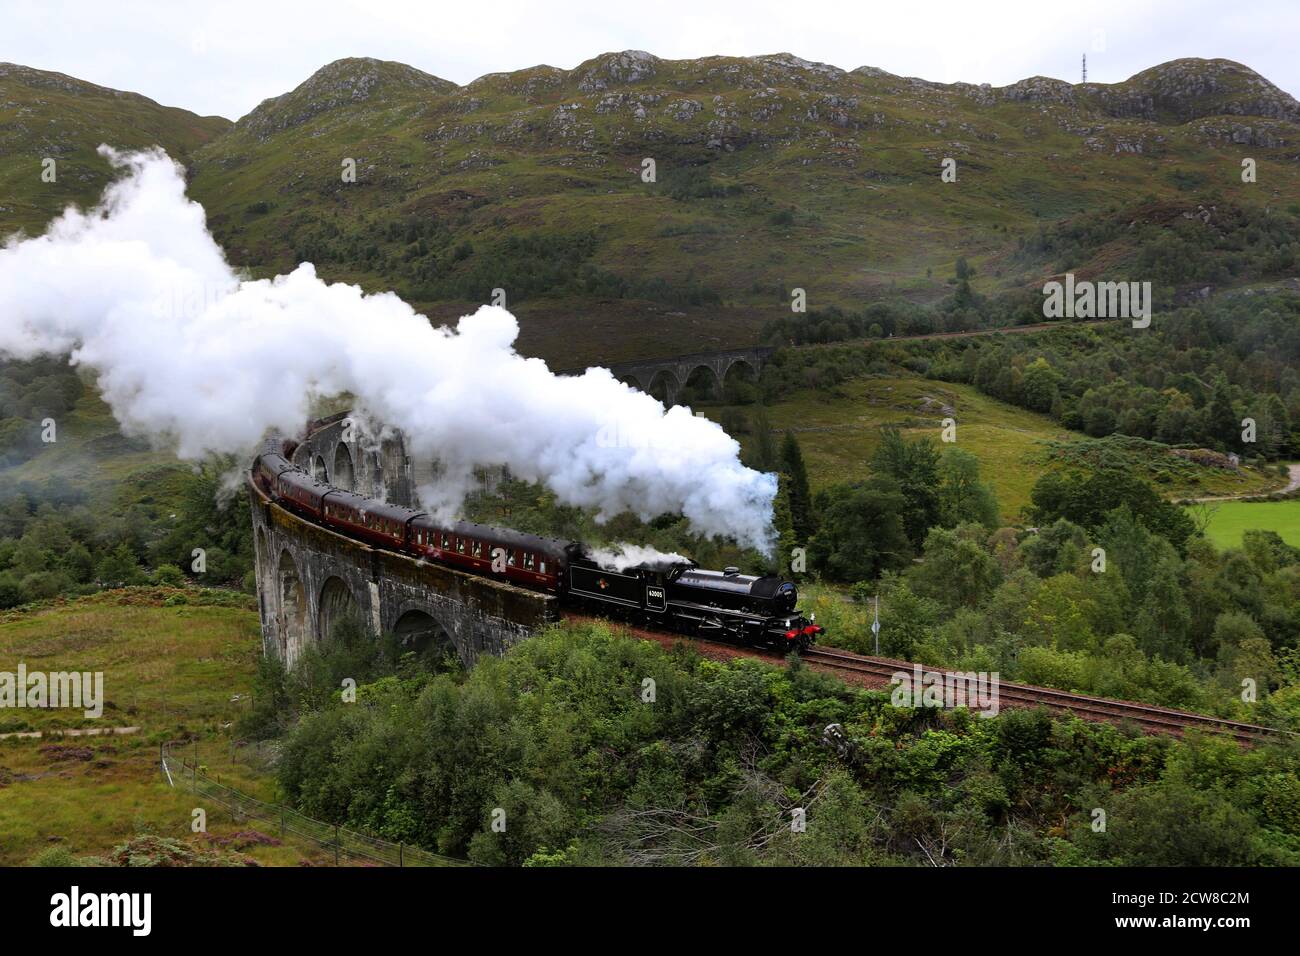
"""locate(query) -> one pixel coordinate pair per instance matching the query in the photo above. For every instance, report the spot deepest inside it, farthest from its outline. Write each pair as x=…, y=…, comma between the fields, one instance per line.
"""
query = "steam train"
x=725, y=605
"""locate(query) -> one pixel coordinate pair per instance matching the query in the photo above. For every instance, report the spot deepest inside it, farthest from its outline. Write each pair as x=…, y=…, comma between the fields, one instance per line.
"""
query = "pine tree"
x=1222, y=426
x=1275, y=429
x=765, y=452
x=787, y=541
x=797, y=482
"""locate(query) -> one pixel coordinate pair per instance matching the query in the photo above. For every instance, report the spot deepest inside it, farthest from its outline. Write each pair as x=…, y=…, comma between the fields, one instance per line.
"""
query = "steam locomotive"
x=725, y=605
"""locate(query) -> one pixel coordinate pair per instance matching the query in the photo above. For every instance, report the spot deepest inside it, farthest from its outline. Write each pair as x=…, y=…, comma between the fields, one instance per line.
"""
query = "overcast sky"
x=226, y=57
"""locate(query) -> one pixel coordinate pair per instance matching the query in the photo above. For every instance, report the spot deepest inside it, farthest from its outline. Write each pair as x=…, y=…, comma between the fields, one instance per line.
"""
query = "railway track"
x=1149, y=717
x=878, y=672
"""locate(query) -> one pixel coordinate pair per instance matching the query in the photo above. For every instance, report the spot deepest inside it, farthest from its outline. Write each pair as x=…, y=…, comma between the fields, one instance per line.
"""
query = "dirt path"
x=70, y=732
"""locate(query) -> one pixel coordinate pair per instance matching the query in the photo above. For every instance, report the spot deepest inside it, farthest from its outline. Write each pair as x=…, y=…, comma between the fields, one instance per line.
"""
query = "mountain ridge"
x=773, y=172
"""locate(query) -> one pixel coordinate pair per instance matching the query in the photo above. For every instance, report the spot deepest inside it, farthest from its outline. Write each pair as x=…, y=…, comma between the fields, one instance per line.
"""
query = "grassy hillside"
x=839, y=431
x=772, y=172
x=49, y=115
x=91, y=454
x=173, y=670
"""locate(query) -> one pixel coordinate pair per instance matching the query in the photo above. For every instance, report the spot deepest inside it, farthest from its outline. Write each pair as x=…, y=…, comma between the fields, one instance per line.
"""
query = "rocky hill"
x=50, y=115
x=771, y=172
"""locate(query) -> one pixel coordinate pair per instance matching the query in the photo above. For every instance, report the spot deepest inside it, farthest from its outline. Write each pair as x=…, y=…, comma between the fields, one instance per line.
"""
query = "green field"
x=1232, y=518
x=839, y=432
x=172, y=671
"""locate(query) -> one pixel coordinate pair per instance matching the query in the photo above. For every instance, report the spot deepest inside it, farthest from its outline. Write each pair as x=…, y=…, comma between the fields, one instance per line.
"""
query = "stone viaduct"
x=671, y=374
x=309, y=577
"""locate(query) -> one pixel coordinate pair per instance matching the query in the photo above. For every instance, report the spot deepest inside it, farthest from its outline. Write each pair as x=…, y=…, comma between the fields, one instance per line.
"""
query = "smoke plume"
x=138, y=290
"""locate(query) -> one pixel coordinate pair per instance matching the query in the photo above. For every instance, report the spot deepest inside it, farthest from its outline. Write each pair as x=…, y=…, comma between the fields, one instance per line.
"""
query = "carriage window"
x=478, y=549
x=528, y=561
x=446, y=542
x=541, y=568
x=510, y=558
x=460, y=545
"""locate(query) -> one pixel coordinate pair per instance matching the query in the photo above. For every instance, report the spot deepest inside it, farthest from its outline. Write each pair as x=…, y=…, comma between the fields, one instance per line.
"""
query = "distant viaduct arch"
x=668, y=376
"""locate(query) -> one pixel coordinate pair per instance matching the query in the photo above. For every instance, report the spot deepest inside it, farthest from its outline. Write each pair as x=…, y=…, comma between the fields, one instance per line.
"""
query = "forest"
x=559, y=741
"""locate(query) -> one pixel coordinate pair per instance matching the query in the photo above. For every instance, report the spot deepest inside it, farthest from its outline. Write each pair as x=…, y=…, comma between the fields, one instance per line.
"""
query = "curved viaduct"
x=309, y=577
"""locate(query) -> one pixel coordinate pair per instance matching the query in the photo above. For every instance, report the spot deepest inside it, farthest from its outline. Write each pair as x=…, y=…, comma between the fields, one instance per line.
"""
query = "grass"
x=67, y=121
x=1231, y=519
x=173, y=672
x=839, y=433
x=839, y=429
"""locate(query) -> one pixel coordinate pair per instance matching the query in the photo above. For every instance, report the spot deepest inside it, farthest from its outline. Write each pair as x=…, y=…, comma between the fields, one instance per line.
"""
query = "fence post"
x=336, y=844
x=399, y=855
x=282, y=823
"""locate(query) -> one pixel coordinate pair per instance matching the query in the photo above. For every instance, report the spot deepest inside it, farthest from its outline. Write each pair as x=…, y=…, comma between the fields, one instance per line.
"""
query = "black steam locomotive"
x=725, y=605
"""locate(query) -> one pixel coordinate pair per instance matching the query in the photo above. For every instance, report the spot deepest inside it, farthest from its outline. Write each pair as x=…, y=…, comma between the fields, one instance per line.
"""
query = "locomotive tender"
x=726, y=604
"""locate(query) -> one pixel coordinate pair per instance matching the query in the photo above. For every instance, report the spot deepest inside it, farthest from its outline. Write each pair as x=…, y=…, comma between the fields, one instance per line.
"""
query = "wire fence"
x=345, y=844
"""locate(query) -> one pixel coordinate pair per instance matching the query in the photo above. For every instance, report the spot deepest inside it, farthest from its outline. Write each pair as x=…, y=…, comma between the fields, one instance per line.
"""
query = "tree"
x=1274, y=435
x=1057, y=548
x=1086, y=500
x=1222, y=426
x=962, y=496
x=800, y=498
x=765, y=454
x=1059, y=614
x=1041, y=385
x=12, y=592
x=119, y=568
x=955, y=570
x=906, y=619
x=786, y=540
x=1233, y=630
x=1163, y=618
x=861, y=531
x=1099, y=421
x=914, y=467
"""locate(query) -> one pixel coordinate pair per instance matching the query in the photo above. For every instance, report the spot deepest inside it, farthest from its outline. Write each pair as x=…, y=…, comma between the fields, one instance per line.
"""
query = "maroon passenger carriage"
x=525, y=559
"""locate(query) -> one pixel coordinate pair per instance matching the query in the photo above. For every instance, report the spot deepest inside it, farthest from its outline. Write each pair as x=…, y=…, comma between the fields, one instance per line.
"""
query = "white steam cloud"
x=617, y=557
x=140, y=291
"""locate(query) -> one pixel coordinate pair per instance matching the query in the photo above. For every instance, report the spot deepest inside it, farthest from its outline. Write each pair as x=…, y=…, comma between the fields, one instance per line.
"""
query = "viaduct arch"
x=668, y=376
x=309, y=578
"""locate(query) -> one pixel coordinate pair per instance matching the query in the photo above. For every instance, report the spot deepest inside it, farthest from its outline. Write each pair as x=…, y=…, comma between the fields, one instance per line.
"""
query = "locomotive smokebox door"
x=655, y=598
